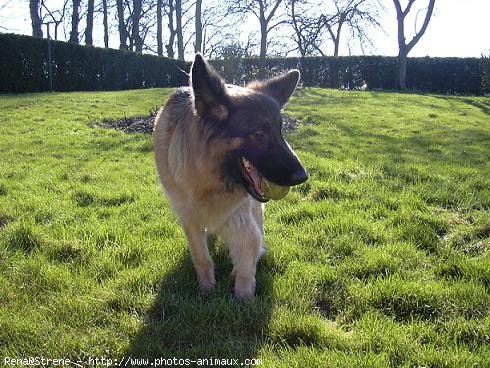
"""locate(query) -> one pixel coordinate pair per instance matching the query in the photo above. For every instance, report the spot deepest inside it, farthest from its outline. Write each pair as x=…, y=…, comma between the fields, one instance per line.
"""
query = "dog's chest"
x=213, y=210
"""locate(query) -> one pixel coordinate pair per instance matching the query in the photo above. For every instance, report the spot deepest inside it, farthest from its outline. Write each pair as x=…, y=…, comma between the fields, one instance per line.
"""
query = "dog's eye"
x=260, y=133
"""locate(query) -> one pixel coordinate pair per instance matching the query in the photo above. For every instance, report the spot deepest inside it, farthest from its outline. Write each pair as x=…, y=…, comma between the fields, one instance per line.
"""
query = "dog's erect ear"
x=210, y=97
x=280, y=88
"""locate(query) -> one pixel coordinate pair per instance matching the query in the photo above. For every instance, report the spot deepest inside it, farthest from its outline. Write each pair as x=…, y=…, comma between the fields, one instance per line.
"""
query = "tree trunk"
x=263, y=46
x=123, y=34
x=90, y=23
x=336, y=40
x=159, y=28
x=401, y=62
x=75, y=19
x=35, y=18
x=171, y=38
x=297, y=31
x=402, y=69
x=106, y=25
x=178, y=29
x=135, y=34
x=336, y=47
x=198, y=22
x=404, y=47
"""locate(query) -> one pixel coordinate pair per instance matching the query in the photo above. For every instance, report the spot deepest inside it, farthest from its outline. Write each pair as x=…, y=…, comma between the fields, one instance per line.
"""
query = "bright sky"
x=457, y=28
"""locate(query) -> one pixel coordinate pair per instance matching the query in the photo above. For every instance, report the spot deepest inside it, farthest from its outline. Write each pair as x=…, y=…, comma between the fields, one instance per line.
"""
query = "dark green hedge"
x=486, y=74
x=24, y=67
x=442, y=75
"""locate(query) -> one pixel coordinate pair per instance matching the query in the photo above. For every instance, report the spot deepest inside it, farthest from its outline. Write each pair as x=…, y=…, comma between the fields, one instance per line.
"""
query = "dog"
x=213, y=145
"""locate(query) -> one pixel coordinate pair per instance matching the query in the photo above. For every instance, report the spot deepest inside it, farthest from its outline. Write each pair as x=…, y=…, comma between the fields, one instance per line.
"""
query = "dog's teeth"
x=246, y=164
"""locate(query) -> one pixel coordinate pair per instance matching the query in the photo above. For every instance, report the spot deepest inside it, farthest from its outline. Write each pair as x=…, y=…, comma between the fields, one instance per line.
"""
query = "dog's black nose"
x=299, y=176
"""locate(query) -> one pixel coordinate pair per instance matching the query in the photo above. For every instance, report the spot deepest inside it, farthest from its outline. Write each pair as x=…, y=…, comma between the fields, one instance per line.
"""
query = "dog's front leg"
x=196, y=238
x=243, y=236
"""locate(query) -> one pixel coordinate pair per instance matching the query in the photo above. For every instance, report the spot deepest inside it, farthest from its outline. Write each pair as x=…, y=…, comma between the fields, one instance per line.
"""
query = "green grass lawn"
x=382, y=259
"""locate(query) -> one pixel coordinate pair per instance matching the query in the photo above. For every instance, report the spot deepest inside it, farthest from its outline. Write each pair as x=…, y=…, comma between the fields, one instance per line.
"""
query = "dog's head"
x=249, y=121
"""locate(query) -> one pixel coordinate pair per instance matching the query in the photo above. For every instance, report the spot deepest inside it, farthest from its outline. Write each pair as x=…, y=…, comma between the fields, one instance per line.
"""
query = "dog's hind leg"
x=243, y=237
x=196, y=238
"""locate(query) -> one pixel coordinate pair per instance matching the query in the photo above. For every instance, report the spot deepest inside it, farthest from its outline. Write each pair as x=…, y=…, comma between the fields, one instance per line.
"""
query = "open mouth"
x=252, y=180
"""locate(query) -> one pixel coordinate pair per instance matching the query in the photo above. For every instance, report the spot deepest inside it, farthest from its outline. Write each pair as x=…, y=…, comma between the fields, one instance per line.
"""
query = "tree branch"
x=407, y=9
x=418, y=35
x=271, y=14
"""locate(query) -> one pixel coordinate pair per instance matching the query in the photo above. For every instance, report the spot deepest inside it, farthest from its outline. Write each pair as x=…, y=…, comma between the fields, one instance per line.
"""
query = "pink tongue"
x=256, y=178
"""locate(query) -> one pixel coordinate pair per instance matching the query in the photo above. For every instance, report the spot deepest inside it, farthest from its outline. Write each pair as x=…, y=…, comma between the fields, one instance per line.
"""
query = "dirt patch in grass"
x=131, y=125
x=289, y=123
x=145, y=124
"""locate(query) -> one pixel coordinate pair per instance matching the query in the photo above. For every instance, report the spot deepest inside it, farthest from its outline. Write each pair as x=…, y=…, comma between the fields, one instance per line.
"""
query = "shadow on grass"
x=185, y=325
x=482, y=104
x=313, y=97
x=422, y=143
x=485, y=108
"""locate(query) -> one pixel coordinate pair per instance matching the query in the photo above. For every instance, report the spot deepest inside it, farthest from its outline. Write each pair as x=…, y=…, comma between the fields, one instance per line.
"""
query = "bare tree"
x=75, y=20
x=159, y=28
x=123, y=33
x=311, y=19
x=307, y=28
x=218, y=28
x=147, y=24
x=236, y=50
x=198, y=26
x=179, y=29
x=403, y=47
x=54, y=16
x=35, y=8
x=265, y=11
x=105, y=23
x=170, y=10
x=354, y=14
x=90, y=23
x=136, y=39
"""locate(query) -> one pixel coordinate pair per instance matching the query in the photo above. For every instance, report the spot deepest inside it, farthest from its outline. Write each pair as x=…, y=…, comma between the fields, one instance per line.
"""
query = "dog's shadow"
x=185, y=325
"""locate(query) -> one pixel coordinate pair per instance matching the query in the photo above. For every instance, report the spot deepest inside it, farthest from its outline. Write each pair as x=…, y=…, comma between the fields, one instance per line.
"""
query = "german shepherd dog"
x=213, y=144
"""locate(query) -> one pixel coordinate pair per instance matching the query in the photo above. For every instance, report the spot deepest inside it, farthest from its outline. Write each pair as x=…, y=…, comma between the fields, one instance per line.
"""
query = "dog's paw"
x=206, y=290
x=244, y=288
x=206, y=281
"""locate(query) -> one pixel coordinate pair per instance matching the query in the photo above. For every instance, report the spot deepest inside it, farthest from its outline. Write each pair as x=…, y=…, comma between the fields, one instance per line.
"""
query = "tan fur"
x=188, y=166
x=193, y=158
